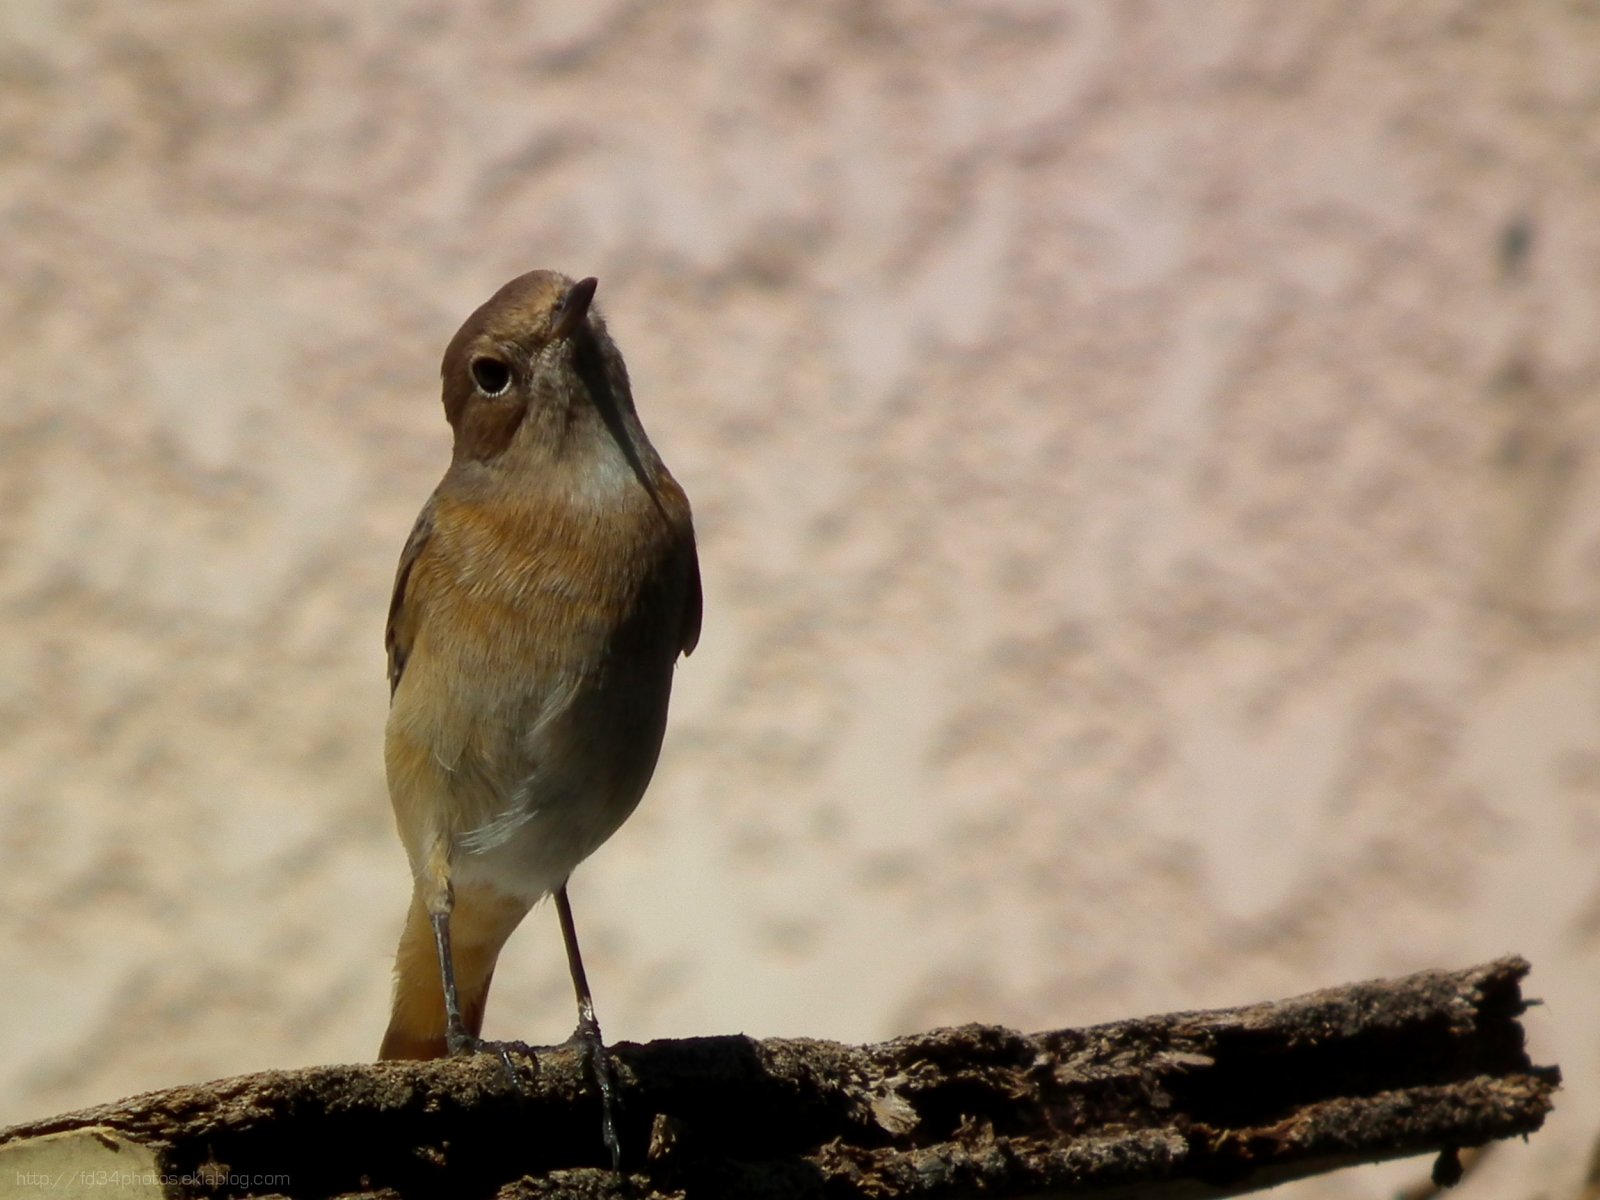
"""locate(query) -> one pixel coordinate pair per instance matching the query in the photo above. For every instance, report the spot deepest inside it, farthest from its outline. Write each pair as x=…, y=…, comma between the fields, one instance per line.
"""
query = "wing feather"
x=400, y=631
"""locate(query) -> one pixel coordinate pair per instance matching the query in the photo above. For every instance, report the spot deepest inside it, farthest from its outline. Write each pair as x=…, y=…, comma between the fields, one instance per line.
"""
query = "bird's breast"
x=523, y=609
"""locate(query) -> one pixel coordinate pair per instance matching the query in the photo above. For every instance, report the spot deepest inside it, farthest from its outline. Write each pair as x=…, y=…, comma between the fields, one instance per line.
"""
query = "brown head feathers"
x=536, y=347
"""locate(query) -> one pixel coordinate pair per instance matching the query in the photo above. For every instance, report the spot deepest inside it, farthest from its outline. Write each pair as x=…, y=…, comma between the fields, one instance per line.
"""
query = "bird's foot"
x=459, y=1043
x=586, y=1039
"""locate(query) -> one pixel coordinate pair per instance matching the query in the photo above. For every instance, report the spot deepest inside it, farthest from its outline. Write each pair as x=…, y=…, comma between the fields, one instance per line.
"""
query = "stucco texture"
x=1144, y=457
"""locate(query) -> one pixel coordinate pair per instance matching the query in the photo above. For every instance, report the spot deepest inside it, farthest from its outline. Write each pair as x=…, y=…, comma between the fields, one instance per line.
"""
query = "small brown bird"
x=540, y=605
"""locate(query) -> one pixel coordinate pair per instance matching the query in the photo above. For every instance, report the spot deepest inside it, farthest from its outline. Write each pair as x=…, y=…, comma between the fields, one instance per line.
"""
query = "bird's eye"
x=491, y=375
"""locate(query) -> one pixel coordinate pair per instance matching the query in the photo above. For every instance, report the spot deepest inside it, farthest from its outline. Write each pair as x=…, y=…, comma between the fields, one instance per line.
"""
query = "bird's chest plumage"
x=514, y=593
x=534, y=695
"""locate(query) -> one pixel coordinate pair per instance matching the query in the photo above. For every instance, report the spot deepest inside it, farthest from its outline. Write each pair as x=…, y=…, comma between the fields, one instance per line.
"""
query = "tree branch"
x=1186, y=1104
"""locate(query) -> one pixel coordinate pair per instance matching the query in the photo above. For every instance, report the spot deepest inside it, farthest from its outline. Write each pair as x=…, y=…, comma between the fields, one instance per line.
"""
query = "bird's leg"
x=587, y=1035
x=438, y=895
x=457, y=1040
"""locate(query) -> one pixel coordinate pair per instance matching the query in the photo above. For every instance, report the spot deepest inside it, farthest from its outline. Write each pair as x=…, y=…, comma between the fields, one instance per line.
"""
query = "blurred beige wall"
x=1144, y=458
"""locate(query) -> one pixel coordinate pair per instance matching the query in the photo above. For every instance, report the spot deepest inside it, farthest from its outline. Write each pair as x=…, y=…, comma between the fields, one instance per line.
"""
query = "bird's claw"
x=459, y=1043
x=597, y=1059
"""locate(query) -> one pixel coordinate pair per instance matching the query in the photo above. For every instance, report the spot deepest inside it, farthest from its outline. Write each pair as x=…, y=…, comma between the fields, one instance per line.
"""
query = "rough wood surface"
x=1185, y=1104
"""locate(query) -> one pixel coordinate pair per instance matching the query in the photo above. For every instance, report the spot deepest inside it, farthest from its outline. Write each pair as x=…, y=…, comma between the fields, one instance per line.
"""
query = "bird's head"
x=534, y=360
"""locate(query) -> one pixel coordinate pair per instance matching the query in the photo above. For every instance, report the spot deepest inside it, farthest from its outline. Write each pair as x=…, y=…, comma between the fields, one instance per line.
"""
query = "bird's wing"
x=401, y=629
x=693, y=603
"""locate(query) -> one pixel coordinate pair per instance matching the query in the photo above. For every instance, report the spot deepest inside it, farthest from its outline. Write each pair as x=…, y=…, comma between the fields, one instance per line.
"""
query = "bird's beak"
x=574, y=307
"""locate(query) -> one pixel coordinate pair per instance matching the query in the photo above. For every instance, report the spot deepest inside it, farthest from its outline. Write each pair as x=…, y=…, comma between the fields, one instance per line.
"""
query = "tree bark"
x=1182, y=1105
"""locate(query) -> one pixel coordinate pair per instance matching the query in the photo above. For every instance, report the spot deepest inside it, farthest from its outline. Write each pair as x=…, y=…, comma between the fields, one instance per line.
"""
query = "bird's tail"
x=480, y=922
